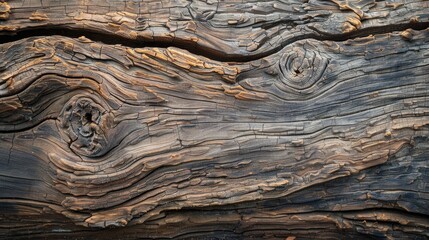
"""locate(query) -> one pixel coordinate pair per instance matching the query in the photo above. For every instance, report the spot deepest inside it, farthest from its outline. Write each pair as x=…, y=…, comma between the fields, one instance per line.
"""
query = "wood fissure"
x=225, y=31
x=201, y=50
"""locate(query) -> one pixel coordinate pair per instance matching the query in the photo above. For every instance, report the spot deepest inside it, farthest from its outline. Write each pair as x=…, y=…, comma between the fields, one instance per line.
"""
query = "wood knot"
x=302, y=66
x=85, y=124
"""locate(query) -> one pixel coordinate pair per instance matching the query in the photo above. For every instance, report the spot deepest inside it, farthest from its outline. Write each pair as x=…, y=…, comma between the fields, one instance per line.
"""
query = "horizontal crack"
x=199, y=50
x=193, y=47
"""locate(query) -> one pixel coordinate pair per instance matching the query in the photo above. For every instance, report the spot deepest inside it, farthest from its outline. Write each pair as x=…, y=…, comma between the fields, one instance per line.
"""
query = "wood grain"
x=320, y=131
x=220, y=29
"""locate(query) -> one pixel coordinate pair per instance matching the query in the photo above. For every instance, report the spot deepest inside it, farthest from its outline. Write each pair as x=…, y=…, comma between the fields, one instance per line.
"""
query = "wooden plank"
x=214, y=119
x=321, y=137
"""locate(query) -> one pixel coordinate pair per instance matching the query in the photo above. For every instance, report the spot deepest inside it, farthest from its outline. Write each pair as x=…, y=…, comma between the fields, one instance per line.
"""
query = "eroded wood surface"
x=320, y=130
x=223, y=29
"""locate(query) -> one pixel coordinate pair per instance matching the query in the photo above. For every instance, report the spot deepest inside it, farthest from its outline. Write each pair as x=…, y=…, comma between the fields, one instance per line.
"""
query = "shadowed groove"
x=211, y=53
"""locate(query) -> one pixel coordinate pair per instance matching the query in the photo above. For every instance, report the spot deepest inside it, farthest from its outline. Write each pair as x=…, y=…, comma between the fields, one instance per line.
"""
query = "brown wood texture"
x=214, y=119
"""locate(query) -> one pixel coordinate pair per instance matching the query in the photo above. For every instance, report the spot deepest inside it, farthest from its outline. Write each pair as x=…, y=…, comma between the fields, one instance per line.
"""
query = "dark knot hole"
x=88, y=117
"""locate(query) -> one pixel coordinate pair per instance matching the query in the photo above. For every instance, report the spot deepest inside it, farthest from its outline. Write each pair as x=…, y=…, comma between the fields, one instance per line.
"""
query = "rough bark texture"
x=210, y=119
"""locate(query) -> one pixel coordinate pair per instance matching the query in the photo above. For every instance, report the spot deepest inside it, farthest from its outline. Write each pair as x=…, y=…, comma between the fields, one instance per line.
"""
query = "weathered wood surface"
x=233, y=29
x=317, y=129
